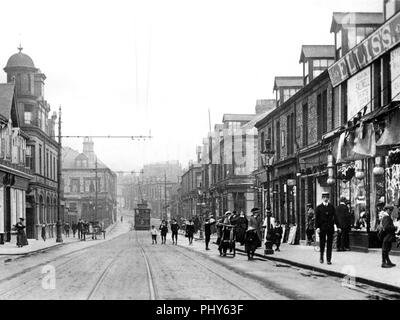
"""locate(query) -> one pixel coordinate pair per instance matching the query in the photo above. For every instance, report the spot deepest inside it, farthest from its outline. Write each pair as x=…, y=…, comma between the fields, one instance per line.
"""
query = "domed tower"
x=21, y=69
x=29, y=84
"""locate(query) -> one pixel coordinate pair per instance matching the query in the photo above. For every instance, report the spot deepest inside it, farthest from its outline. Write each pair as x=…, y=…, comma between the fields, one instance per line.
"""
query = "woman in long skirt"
x=21, y=236
x=190, y=231
x=251, y=242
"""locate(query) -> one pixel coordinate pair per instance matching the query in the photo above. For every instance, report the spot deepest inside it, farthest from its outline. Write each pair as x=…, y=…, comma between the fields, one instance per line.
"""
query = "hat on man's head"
x=325, y=194
x=309, y=205
x=21, y=219
x=343, y=199
x=388, y=206
x=255, y=210
x=228, y=212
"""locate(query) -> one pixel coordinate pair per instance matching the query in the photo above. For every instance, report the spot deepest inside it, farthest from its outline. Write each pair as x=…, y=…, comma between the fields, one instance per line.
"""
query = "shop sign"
x=380, y=41
x=359, y=93
x=395, y=73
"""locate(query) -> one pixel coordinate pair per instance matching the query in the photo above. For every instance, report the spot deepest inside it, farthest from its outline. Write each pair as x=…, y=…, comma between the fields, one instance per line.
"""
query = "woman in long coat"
x=241, y=228
x=190, y=231
x=251, y=242
x=21, y=236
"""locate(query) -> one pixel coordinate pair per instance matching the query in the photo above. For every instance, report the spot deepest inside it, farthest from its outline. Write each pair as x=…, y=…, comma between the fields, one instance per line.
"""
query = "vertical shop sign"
x=359, y=93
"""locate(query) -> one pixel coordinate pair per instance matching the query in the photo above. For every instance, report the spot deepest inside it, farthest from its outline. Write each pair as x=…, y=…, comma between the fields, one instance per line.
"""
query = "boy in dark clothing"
x=277, y=234
x=174, y=230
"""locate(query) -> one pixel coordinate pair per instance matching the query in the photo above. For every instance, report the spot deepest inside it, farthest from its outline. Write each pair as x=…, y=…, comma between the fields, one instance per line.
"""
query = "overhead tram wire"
x=142, y=137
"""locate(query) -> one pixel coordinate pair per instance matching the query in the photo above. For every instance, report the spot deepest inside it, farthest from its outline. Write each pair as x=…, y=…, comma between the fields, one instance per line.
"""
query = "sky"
x=156, y=67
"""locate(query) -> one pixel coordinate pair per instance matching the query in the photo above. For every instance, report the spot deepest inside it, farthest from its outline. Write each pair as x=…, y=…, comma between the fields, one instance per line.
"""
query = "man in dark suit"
x=343, y=219
x=325, y=220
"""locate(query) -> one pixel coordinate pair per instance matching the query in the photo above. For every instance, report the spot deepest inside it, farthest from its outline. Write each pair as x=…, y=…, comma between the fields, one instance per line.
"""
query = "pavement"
x=355, y=266
x=34, y=245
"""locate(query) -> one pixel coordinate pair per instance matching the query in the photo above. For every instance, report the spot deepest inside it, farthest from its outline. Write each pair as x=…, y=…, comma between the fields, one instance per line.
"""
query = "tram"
x=142, y=216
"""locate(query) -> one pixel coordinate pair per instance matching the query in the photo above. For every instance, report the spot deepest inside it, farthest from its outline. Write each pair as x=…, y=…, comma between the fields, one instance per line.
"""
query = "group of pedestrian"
x=234, y=227
x=83, y=229
x=163, y=229
x=327, y=217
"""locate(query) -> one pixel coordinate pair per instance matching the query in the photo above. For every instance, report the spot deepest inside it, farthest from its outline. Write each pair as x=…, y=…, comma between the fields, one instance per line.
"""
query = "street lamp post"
x=268, y=239
x=59, y=223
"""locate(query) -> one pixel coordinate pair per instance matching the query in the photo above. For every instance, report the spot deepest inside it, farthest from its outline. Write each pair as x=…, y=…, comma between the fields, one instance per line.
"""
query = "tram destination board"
x=142, y=219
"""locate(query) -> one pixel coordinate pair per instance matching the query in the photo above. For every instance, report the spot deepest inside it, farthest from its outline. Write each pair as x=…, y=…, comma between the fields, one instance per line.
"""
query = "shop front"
x=368, y=173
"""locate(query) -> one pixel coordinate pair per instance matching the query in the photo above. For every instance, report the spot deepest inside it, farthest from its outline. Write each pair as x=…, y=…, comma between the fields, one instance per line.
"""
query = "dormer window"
x=286, y=87
x=288, y=93
x=319, y=65
x=357, y=34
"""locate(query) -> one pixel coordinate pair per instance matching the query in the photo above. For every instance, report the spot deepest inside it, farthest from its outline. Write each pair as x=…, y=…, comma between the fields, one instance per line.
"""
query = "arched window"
x=48, y=211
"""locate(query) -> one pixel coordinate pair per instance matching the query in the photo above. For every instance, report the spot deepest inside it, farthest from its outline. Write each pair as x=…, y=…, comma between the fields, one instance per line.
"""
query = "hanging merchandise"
x=378, y=169
x=391, y=132
x=346, y=172
x=364, y=142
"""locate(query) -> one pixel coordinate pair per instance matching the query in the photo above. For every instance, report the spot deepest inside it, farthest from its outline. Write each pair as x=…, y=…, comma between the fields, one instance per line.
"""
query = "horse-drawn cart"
x=95, y=229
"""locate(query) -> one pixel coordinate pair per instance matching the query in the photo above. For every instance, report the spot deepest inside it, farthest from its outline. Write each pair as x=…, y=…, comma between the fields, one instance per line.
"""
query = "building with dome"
x=37, y=122
x=83, y=199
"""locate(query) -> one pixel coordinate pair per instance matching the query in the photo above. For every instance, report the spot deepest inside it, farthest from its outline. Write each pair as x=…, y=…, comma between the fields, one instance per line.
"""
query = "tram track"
x=103, y=275
x=251, y=295
x=150, y=278
x=30, y=282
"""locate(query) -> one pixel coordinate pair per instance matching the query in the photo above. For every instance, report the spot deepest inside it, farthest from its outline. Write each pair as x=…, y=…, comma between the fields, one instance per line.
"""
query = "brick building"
x=303, y=132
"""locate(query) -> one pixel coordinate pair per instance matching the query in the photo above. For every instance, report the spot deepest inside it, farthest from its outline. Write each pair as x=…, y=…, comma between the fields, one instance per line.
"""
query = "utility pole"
x=95, y=204
x=165, y=194
x=59, y=223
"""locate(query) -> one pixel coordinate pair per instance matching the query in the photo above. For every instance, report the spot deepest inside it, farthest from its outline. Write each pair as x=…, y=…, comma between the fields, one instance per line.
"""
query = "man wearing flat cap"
x=343, y=219
x=325, y=220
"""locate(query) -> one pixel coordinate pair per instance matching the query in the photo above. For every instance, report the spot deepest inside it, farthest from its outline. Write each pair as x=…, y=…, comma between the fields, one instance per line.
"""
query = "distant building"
x=81, y=192
x=154, y=184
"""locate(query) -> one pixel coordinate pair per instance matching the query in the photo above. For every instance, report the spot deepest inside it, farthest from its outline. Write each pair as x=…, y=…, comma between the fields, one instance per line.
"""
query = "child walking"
x=277, y=232
x=154, y=233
